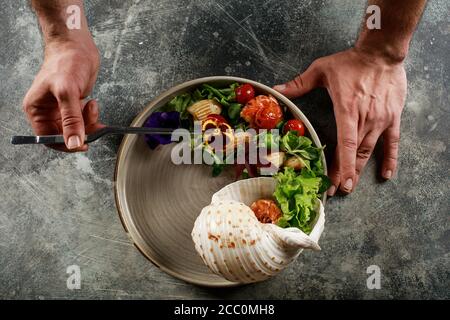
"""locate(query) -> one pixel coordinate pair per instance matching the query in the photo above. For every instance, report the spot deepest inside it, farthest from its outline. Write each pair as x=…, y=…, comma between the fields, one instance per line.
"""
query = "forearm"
x=398, y=22
x=52, y=16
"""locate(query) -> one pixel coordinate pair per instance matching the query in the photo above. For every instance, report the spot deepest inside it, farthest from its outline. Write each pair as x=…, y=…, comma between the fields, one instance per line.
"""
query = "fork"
x=59, y=139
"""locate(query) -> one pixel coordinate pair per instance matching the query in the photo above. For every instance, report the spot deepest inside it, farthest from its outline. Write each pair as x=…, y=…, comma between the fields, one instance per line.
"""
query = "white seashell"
x=234, y=244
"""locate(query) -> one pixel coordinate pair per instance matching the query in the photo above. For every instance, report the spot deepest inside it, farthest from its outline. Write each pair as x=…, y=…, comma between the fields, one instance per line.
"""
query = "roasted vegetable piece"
x=203, y=108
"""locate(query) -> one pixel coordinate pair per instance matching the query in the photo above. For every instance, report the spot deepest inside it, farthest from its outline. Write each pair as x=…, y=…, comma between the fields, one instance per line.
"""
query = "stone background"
x=58, y=209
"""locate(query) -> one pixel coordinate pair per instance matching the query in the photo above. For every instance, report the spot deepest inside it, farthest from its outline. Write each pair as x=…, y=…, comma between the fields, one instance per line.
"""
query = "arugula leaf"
x=234, y=111
x=280, y=125
x=217, y=169
x=224, y=96
x=180, y=104
x=197, y=95
x=325, y=183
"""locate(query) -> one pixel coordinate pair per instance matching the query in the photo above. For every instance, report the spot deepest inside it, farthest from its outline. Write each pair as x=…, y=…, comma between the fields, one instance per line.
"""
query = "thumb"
x=303, y=83
x=71, y=119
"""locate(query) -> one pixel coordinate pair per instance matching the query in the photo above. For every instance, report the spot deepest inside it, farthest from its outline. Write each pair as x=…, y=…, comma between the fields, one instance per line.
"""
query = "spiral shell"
x=234, y=244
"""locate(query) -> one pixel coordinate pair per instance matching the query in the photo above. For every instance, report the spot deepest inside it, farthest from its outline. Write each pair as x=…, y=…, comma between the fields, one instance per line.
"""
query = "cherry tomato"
x=244, y=93
x=294, y=125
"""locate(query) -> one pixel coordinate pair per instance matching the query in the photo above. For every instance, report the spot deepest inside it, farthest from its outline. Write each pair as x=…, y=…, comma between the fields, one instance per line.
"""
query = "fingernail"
x=280, y=87
x=348, y=185
x=331, y=191
x=73, y=142
x=388, y=174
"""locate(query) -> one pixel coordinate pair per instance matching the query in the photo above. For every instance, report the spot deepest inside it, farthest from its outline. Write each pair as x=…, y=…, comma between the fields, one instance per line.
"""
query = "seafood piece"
x=294, y=162
x=276, y=159
x=266, y=210
x=262, y=112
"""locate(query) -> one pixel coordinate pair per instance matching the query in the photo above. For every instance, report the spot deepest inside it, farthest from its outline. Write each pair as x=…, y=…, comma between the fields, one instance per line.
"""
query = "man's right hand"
x=54, y=103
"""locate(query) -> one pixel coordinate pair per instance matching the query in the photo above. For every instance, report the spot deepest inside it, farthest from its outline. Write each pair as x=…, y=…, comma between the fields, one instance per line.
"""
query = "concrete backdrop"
x=58, y=209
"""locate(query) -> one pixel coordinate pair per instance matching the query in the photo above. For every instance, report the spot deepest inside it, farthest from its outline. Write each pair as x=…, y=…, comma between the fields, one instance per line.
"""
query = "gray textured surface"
x=58, y=209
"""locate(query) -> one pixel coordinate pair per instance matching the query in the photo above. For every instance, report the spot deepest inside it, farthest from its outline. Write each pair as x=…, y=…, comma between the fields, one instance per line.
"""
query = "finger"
x=364, y=153
x=71, y=116
x=63, y=148
x=41, y=118
x=90, y=117
x=303, y=83
x=39, y=105
x=87, y=117
x=334, y=174
x=347, y=136
x=391, y=138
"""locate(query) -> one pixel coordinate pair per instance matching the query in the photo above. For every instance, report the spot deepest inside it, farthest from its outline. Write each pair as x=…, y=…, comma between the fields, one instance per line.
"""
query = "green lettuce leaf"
x=296, y=195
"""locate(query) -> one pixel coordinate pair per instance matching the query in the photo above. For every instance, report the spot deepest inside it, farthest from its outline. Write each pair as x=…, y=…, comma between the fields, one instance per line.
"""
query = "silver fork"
x=59, y=139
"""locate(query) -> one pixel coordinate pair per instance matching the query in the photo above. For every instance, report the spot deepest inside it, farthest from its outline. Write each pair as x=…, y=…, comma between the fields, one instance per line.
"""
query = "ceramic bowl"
x=158, y=201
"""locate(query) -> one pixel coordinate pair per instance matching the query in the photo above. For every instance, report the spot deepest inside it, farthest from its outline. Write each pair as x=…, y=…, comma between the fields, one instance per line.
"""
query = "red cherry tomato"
x=294, y=125
x=244, y=93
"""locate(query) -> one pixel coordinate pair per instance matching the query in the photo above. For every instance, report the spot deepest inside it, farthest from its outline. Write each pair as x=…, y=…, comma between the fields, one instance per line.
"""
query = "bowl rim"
x=128, y=226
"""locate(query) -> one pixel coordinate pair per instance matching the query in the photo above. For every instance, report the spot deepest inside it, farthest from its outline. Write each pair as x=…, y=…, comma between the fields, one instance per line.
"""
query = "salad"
x=229, y=113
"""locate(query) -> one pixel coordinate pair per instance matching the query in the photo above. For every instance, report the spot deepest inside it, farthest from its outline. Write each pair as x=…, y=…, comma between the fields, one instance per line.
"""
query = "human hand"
x=368, y=94
x=54, y=103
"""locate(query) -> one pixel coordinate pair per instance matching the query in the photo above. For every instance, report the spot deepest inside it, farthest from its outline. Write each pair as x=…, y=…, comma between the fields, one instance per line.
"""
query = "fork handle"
x=59, y=139
x=55, y=139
